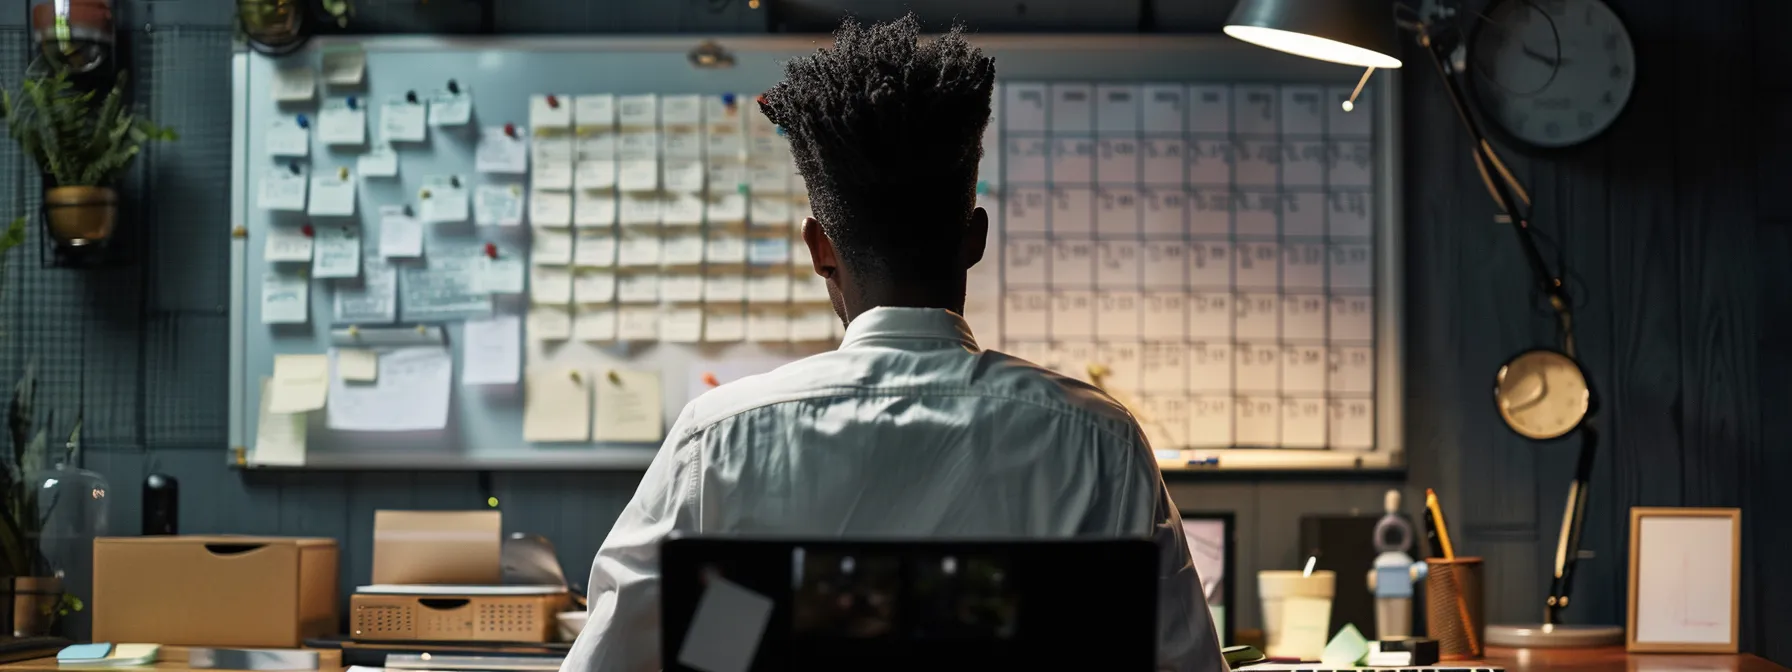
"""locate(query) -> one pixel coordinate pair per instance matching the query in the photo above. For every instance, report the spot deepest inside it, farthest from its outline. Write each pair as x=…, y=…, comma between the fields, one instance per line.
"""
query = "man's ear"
x=976, y=235
x=821, y=250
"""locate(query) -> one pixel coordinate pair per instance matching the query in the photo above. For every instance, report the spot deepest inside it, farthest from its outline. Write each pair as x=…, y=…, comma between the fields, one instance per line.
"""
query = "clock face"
x=1551, y=73
x=1542, y=394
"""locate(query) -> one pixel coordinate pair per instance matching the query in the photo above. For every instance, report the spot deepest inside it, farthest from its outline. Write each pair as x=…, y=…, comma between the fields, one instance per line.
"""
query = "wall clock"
x=1550, y=73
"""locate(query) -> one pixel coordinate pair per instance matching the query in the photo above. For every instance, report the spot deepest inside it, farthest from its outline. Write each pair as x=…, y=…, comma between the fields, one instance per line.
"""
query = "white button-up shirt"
x=907, y=430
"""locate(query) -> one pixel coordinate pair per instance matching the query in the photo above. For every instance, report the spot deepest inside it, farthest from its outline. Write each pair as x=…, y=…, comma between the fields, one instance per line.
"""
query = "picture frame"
x=1685, y=580
x=1201, y=529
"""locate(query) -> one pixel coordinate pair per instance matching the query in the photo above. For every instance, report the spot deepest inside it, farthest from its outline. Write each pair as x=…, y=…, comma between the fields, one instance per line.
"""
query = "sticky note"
x=556, y=406
x=357, y=365
x=724, y=286
x=295, y=84
x=332, y=194
x=287, y=243
x=502, y=275
x=722, y=248
x=638, y=288
x=727, y=209
x=550, y=323
x=282, y=189
x=682, y=248
x=682, y=210
x=279, y=437
x=768, y=325
x=286, y=137
x=401, y=235
x=379, y=161
x=371, y=300
x=768, y=251
x=336, y=251
x=498, y=205
x=681, y=287
x=681, y=325
x=1347, y=649
x=343, y=121
x=491, y=351
x=549, y=284
x=344, y=65
x=552, y=159
x=594, y=323
x=591, y=286
x=594, y=248
x=683, y=176
x=814, y=325
x=639, y=249
x=638, y=323
x=638, y=111
x=593, y=208
x=594, y=173
x=627, y=406
x=550, y=209
x=724, y=324
x=681, y=110
x=501, y=152
x=412, y=394
x=285, y=297
x=638, y=174
x=447, y=108
x=594, y=111
x=404, y=121
x=301, y=383
x=550, y=111
x=639, y=209
x=684, y=144
x=768, y=287
x=443, y=199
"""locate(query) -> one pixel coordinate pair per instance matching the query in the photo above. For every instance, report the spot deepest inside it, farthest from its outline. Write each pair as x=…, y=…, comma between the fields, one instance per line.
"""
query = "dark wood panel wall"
x=1675, y=227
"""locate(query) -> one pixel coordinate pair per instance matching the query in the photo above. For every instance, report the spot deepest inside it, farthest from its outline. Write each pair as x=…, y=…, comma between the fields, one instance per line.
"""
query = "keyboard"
x=1321, y=667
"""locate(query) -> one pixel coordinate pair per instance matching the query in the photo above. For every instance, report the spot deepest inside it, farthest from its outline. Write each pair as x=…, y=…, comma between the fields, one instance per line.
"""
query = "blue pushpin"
x=304, y=121
x=982, y=187
x=728, y=99
x=351, y=102
x=780, y=131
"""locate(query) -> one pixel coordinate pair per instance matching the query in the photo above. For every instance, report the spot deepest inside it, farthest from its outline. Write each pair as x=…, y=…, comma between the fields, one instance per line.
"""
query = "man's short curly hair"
x=887, y=131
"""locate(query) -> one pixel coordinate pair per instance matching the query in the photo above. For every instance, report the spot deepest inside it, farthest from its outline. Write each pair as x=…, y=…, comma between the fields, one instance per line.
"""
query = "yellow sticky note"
x=279, y=437
x=358, y=366
x=300, y=383
x=628, y=406
x=557, y=406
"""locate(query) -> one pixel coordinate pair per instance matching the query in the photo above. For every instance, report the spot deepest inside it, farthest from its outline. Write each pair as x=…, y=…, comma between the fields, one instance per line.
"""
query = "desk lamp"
x=1541, y=394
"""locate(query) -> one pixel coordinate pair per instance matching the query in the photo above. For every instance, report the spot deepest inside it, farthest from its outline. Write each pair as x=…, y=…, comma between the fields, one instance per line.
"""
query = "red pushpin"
x=710, y=380
x=510, y=130
x=491, y=250
x=553, y=101
x=760, y=98
x=307, y=230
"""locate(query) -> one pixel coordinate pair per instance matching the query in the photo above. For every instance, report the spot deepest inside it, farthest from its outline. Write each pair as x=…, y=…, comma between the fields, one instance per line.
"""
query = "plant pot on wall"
x=80, y=216
x=73, y=34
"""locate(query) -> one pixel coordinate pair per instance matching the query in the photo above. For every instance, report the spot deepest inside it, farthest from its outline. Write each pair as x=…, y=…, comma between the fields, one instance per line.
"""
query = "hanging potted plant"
x=81, y=147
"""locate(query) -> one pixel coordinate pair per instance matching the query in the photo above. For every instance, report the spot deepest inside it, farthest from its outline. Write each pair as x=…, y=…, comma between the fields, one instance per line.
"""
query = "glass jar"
x=72, y=505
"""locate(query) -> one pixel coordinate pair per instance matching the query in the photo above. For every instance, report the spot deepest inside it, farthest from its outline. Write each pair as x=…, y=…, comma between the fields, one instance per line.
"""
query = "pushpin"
x=303, y=121
x=491, y=250
x=293, y=167
x=510, y=130
x=759, y=99
x=454, y=180
x=410, y=97
x=351, y=103
x=342, y=173
x=553, y=101
x=516, y=190
x=423, y=194
x=982, y=186
x=742, y=188
x=408, y=212
x=454, y=87
x=574, y=375
x=422, y=330
x=354, y=331
x=728, y=100
x=614, y=377
x=308, y=231
x=709, y=379
x=780, y=131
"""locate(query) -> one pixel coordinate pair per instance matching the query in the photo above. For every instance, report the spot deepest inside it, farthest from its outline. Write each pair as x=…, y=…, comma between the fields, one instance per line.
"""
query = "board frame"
x=1214, y=58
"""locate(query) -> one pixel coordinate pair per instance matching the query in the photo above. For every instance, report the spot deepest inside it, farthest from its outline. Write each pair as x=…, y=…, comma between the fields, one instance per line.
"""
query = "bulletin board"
x=1191, y=222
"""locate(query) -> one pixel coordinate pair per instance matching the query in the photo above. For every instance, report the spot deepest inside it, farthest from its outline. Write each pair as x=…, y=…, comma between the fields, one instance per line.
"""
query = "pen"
x=1434, y=520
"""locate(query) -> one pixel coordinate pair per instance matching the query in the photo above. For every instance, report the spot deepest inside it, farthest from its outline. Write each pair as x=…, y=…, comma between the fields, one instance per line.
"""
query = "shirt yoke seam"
x=837, y=392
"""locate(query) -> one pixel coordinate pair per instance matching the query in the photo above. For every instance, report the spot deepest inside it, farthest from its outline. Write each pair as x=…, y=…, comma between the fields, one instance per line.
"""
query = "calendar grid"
x=1207, y=244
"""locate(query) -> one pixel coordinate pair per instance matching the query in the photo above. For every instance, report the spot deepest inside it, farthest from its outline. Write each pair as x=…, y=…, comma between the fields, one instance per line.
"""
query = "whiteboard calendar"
x=1204, y=252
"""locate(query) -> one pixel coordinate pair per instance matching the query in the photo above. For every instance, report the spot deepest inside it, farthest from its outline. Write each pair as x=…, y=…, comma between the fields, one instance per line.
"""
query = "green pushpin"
x=741, y=188
x=982, y=187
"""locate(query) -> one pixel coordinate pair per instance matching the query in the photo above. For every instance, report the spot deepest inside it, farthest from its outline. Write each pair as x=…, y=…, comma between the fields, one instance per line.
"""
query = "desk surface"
x=1514, y=660
x=1615, y=659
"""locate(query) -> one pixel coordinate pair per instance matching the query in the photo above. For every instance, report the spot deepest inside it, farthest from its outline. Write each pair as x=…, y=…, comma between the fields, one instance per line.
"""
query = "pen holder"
x=1453, y=607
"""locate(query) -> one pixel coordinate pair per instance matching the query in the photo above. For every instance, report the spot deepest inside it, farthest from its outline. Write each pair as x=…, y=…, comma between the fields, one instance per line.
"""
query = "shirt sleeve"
x=622, y=633
x=1187, y=641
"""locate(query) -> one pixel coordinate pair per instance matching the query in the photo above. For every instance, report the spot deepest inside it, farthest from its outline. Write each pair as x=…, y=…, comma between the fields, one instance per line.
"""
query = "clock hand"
x=1542, y=390
x=1541, y=57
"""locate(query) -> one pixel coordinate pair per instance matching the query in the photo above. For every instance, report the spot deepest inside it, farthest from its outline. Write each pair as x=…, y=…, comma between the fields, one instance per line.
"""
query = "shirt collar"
x=883, y=323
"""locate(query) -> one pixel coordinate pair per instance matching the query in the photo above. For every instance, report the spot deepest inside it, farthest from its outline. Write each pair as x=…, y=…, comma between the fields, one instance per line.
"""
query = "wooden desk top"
x=1615, y=659
x=172, y=658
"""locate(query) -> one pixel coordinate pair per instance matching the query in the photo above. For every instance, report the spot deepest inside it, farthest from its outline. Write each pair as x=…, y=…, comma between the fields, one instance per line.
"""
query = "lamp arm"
x=1515, y=203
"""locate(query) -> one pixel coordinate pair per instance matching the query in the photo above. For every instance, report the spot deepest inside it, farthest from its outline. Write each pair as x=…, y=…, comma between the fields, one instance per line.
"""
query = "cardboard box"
x=214, y=591
x=455, y=618
x=438, y=547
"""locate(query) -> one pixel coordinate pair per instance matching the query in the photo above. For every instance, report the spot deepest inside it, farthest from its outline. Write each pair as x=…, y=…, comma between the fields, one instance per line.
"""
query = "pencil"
x=1437, y=516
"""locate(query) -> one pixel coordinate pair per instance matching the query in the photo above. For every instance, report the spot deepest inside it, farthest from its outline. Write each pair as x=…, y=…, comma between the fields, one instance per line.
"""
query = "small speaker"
x=161, y=505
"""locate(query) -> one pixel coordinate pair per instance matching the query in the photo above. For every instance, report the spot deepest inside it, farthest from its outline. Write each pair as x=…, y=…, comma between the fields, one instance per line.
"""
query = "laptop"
x=796, y=604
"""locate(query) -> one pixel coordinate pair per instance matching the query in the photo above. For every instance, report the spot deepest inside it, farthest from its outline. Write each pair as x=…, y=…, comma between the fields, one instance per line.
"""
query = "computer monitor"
x=1209, y=535
x=799, y=605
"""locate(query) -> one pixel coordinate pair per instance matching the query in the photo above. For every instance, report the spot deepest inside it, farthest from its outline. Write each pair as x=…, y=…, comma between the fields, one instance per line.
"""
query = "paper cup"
x=1296, y=612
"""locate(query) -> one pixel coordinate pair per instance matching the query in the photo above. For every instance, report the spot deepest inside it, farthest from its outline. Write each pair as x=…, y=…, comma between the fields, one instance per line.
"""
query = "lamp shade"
x=1353, y=32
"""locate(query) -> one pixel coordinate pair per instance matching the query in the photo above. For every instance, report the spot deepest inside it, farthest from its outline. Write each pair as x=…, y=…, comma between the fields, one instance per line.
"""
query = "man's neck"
x=898, y=299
